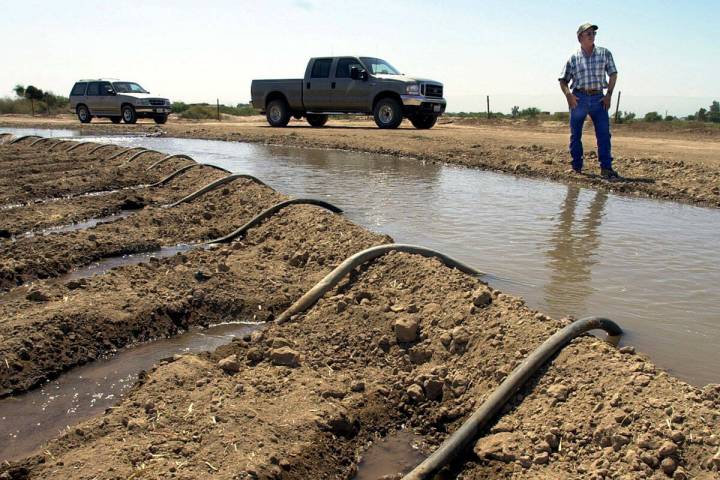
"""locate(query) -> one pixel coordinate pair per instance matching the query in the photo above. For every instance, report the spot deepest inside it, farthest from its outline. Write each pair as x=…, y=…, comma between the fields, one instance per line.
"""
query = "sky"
x=667, y=52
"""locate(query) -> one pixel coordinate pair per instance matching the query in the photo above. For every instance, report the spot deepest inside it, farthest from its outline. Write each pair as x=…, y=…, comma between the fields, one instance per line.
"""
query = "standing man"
x=586, y=69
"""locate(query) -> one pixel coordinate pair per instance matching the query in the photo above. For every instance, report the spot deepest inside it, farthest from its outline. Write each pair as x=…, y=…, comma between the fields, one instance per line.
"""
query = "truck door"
x=316, y=91
x=107, y=101
x=349, y=95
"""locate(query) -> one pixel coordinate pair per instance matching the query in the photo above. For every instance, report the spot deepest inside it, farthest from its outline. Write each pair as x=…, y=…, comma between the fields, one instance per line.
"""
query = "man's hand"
x=607, y=100
x=572, y=100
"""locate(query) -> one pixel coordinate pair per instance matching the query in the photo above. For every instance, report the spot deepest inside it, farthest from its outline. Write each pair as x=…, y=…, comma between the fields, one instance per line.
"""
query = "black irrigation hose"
x=212, y=186
x=101, y=146
x=40, y=140
x=77, y=146
x=271, y=211
x=461, y=439
x=22, y=138
x=60, y=142
x=123, y=152
x=165, y=159
x=182, y=170
x=138, y=154
x=332, y=278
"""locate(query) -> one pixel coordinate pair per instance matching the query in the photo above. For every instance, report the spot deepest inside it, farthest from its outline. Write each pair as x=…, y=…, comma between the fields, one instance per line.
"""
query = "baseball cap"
x=586, y=26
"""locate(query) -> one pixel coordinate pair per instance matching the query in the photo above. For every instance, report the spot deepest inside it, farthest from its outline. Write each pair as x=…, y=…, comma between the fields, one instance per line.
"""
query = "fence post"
x=488, y=106
x=617, y=107
x=218, y=108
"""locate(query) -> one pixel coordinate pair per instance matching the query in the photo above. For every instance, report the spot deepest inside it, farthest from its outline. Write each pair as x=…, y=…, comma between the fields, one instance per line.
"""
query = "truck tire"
x=388, y=113
x=83, y=114
x=423, y=122
x=128, y=114
x=160, y=119
x=115, y=120
x=278, y=113
x=317, y=120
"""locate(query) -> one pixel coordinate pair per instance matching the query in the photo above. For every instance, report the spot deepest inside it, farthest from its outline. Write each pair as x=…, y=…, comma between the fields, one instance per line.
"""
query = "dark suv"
x=116, y=100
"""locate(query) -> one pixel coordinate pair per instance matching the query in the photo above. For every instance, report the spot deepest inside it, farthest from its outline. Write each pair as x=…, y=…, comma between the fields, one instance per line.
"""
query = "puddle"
x=81, y=225
x=652, y=266
x=396, y=454
x=106, y=264
x=28, y=420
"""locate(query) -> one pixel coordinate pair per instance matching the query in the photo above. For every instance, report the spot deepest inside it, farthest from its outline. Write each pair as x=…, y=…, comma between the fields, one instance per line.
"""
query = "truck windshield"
x=378, y=66
x=128, y=87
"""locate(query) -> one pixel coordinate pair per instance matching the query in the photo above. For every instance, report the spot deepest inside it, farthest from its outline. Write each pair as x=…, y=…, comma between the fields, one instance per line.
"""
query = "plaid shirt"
x=588, y=71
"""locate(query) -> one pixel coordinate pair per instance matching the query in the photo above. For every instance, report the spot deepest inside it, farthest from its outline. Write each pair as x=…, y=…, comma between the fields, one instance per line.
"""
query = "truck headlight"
x=413, y=89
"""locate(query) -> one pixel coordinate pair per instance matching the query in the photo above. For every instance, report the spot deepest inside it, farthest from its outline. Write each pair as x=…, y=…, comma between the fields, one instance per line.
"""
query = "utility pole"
x=617, y=107
x=218, y=108
x=488, y=106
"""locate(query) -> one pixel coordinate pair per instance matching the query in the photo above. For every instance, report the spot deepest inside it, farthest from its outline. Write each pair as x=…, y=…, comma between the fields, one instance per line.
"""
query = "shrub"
x=531, y=112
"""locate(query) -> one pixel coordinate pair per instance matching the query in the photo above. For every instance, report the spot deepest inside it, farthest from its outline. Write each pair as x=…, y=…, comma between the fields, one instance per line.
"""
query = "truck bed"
x=290, y=87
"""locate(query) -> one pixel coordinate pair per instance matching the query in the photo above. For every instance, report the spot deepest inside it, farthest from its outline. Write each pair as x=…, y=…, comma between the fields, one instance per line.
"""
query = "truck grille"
x=157, y=102
x=431, y=90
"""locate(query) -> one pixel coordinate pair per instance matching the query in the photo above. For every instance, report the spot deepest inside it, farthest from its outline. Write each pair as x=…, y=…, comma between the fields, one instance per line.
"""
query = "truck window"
x=344, y=65
x=321, y=68
x=106, y=88
x=79, y=88
x=93, y=89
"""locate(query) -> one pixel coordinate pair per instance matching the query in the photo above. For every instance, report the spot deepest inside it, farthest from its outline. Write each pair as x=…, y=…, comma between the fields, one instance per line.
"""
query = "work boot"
x=609, y=174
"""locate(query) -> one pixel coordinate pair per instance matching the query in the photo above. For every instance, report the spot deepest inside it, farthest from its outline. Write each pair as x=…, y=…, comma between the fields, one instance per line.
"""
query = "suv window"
x=106, y=88
x=93, y=89
x=128, y=87
x=321, y=68
x=79, y=88
x=344, y=65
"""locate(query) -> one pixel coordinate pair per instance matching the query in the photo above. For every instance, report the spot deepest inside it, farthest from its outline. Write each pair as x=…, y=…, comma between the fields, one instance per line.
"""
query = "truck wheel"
x=388, y=113
x=278, y=113
x=316, y=120
x=160, y=119
x=115, y=120
x=83, y=114
x=128, y=114
x=423, y=122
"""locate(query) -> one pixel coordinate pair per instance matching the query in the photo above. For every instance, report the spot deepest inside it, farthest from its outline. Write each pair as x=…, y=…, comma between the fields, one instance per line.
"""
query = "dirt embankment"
x=404, y=341
x=662, y=163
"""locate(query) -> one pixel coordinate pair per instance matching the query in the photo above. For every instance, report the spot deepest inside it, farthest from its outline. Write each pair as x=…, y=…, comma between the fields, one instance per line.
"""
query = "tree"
x=19, y=90
x=515, y=110
x=652, y=117
x=33, y=93
x=701, y=115
x=714, y=115
x=531, y=112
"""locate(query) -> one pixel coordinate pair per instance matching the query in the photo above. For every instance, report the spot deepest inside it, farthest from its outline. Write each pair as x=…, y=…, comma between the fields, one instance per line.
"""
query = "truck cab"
x=347, y=85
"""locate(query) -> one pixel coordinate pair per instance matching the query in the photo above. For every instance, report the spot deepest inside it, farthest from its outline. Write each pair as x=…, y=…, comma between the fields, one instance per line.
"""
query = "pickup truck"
x=341, y=85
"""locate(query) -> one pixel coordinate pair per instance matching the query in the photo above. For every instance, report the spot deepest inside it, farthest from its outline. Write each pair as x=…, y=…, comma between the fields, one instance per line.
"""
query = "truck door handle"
x=332, y=85
x=308, y=85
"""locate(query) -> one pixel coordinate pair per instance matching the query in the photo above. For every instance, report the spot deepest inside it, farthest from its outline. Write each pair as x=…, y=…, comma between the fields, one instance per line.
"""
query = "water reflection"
x=574, y=243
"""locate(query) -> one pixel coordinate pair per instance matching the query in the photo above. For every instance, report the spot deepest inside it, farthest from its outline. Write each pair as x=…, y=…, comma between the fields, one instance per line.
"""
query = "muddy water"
x=396, y=454
x=73, y=227
x=102, y=266
x=28, y=420
x=652, y=266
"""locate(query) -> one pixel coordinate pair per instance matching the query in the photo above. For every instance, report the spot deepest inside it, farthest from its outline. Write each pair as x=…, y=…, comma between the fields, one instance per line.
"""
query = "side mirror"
x=364, y=75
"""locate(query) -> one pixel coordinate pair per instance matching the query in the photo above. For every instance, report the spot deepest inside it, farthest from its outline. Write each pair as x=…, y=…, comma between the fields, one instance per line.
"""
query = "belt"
x=589, y=92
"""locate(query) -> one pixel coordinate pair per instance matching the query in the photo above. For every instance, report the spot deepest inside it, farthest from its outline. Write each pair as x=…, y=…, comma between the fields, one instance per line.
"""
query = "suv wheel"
x=160, y=119
x=316, y=120
x=83, y=114
x=128, y=114
x=278, y=113
x=388, y=113
x=423, y=122
x=115, y=119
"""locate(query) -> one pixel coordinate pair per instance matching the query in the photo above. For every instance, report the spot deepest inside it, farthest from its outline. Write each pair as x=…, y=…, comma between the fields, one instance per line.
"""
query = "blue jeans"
x=590, y=105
